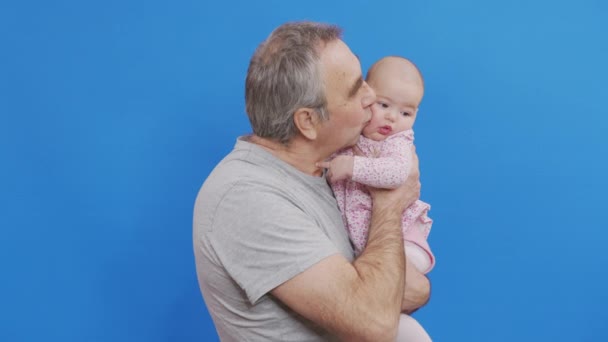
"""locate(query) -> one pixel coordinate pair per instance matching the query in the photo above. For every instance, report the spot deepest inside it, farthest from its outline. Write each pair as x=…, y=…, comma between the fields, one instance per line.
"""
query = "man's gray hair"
x=284, y=75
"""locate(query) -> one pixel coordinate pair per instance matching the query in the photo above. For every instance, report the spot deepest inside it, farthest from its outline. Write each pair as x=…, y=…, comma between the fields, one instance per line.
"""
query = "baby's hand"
x=339, y=168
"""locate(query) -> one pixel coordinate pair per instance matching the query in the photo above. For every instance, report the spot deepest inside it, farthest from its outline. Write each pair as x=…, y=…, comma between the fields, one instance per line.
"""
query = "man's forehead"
x=341, y=67
x=355, y=87
x=337, y=54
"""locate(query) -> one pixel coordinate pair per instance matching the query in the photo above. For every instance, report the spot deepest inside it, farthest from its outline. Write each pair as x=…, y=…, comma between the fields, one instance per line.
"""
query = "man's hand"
x=339, y=168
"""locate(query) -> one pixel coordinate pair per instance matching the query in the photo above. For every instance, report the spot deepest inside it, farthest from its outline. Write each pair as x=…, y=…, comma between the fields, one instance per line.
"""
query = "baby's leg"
x=417, y=248
x=418, y=257
x=411, y=331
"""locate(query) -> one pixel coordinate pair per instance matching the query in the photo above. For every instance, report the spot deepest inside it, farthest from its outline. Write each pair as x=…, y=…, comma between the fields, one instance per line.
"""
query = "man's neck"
x=300, y=153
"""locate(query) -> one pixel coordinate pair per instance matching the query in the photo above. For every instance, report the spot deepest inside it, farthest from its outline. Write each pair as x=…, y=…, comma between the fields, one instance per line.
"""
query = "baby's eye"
x=383, y=105
x=406, y=113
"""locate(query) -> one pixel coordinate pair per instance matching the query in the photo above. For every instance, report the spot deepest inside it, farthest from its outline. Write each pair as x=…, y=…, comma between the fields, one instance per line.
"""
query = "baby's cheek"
x=410, y=123
x=376, y=108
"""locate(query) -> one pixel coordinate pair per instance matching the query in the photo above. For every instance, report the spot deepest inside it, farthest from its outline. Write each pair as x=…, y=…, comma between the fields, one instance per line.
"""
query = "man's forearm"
x=381, y=267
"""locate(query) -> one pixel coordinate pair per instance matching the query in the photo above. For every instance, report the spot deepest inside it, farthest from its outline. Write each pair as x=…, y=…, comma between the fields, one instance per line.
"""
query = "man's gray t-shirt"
x=258, y=222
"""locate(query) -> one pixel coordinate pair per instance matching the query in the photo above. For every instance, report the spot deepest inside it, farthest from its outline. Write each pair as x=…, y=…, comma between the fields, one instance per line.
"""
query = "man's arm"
x=358, y=301
x=361, y=301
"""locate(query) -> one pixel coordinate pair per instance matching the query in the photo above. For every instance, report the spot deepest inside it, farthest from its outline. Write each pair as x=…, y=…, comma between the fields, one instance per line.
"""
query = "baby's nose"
x=391, y=115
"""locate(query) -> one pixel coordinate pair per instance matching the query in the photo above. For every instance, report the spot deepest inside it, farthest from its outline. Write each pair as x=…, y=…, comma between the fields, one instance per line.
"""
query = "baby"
x=383, y=161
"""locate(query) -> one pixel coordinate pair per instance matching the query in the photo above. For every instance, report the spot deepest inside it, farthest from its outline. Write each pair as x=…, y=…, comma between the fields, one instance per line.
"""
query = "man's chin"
x=354, y=141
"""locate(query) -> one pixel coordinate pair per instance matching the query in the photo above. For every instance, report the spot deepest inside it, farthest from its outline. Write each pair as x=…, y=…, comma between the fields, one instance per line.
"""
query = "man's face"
x=348, y=97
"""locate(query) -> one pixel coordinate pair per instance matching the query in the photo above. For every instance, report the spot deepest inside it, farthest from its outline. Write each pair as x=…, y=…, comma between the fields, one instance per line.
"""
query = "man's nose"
x=370, y=97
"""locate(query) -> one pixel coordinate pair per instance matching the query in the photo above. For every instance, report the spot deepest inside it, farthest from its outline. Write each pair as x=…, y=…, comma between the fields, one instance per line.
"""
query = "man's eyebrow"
x=355, y=88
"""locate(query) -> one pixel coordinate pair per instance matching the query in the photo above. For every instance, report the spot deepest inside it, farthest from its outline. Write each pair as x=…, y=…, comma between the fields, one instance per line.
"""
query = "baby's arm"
x=390, y=169
x=339, y=168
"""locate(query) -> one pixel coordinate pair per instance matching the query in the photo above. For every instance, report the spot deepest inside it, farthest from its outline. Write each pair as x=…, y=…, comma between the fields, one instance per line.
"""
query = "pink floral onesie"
x=386, y=164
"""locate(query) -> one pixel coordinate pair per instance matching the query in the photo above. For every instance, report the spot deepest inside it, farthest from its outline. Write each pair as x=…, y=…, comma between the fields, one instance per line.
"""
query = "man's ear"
x=306, y=120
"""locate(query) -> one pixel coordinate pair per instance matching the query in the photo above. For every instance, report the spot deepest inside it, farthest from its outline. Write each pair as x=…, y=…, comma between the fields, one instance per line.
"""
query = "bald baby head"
x=399, y=90
x=394, y=66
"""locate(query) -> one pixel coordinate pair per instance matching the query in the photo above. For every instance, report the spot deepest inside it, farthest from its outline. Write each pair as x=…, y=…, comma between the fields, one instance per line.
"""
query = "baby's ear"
x=306, y=120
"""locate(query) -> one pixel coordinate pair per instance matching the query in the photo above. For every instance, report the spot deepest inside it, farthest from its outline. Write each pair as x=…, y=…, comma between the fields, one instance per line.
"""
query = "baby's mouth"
x=385, y=130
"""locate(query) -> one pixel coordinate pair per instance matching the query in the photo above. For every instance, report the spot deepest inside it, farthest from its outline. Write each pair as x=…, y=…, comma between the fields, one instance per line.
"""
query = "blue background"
x=114, y=112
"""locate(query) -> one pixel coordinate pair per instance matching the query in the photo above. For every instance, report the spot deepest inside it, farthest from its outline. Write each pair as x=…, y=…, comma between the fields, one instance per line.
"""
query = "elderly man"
x=274, y=261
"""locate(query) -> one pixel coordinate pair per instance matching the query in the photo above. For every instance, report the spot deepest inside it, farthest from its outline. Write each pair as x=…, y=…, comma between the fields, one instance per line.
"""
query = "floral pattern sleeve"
x=386, y=164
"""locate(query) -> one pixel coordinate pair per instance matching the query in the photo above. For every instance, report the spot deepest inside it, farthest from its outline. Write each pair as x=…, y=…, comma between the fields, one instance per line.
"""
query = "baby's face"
x=395, y=108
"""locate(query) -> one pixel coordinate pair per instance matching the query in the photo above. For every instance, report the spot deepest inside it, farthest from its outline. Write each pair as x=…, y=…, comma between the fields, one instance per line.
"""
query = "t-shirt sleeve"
x=262, y=238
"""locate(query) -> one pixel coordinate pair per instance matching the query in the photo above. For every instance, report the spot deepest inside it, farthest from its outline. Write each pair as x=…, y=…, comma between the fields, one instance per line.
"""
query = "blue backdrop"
x=114, y=112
